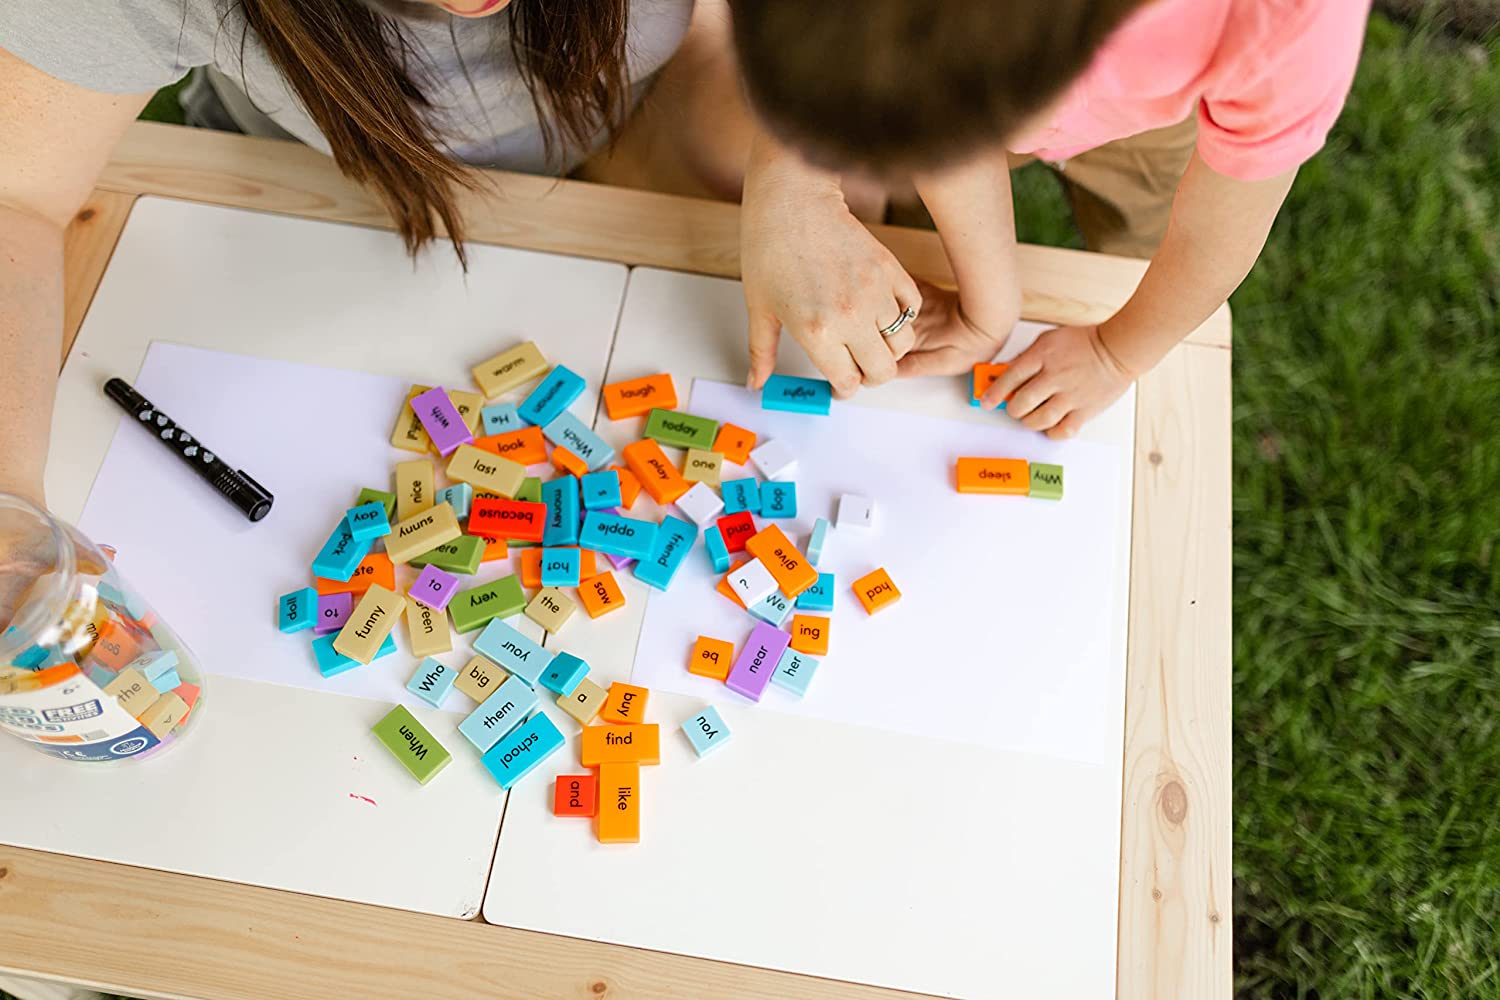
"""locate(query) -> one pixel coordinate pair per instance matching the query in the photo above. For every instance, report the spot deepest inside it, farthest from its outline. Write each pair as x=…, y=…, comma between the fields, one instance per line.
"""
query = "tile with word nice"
x=509, y=369
x=876, y=591
x=658, y=476
x=639, y=743
x=778, y=499
x=818, y=597
x=993, y=475
x=427, y=630
x=706, y=731
x=736, y=530
x=431, y=681
x=459, y=496
x=560, y=496
x=627, y=703
x=479, y=677
x=567, y=431
x=422, y=533
x=856, y=512
x=478, y=606
x=368, y=522
x=551, y=609
x=600, y=490
x=552, y=396
x=700, y=503
x=795, y=672
x=498, y=714
x=617, y=534
x=414, y=487
x=460, y=555
x=513, y=520
x=711, y=658
x=563, y=673
x=674, y=540
x=506, y=646
x=810, y=634
x=408, y=434
x=741, y=495
x=619, y=816
x=681, y=430
x=500, y=418
x=639, y=396
x=817, y=540
x=752, y=582
x=600, y=595
x=485, y=471
x=331, y=662
x=734, y=443
x=333, y=612
x=410, y=743
x=797, y=395
x=297, y=610
x=386, y=500
x=527, y=446
x=369, y=624
x=1046, y=481
x=718, y=552
x=774, y=608
x=575, y=795
x=757, y=661
x=340, y=555
x=585, y=703
x=444, y=425
x=433, y=587
x=560, y=567
x=523, y=750
x=792, y=571
x=774, y=459
x=702, y=466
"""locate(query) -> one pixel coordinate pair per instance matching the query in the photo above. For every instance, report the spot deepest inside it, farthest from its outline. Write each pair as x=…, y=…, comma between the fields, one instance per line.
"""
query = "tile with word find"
x=795, y=672
x=479, y=677
x=503, y=644
x=509, y=369
x=658, y=476
x=778, y=499
x=370, y=624
x=498, y=714
x=701, y=504
x=564, y=673
x=876, y=591
x=445, y=426
x=810, y=634
x=637, y=397
x=600, y=595
x=638, y=743
x=734, y=443
x=626, y=704
x=585, y=703
x=702, y=466
x=485, y=471
x=680, y=430
x=792, y=571
x=523, y=751
x=575, y=795
x=551, y=609
x=619, y=815
x=711, y=658
x=1046, y=481
x=855, y=512
x=553, y=394
x=741, y=495
x=706, y=731
x=751, y=582
x=774, y=459
x=297, y=611
x=422, y=533
x=431, y=681
x=408, y=434
x=411, y=744
x=757, y=661
x=797, y=395
x=1009, y=476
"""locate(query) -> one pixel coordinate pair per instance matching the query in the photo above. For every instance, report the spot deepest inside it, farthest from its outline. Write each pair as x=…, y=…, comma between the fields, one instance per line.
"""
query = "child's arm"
x=1217, y=230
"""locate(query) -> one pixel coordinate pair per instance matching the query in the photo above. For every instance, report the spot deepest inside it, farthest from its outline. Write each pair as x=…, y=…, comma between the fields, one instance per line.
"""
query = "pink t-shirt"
x=1268, y=78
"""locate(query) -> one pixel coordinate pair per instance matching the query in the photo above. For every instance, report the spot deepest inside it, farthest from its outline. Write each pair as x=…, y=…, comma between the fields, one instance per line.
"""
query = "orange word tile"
x=792, y=571
x=569, y=463
x=619, y=816
x=639, y=396
x=659, y=477
x=711, y=657
x=627, y=703
x=630, y=486
x=525, y=446
x=734, y=443
x=810, y=634
x=494, y=548
x=876, y=591
x=985, y=375
x=614, y=744
x=994, y=475
x=600, y=594
x=575, y=795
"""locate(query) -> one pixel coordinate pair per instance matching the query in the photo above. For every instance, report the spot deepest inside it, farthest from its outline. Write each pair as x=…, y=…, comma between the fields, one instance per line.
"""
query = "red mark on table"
x=365, y=798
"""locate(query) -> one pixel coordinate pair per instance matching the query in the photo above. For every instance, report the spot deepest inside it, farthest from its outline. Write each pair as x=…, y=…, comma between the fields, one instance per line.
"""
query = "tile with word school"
x=523, y=751
x=706, y=731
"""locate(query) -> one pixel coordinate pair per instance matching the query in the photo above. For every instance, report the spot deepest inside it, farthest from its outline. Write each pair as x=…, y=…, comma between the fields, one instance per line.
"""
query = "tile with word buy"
x=706, y=731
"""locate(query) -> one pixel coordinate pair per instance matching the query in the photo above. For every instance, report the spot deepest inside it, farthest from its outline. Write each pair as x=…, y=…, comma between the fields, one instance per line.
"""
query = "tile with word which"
x=752, y=582
x=509, y=369
x=993, y=475
x=567, y=431
x=818, y=597
x=734, y=443
x=575, y=795
x=431, y=681
x=701, y=504
x=757, y=661
x=797, y=395
x=639, y=396
x=674, y=540
x=1046, y=481
x=702, y=466
x=498, y=714
x=422, y=533
x=706, y=731
x=368, y=522
x=600, y=490
x=795, y=672
x=551, y=609
x=297, y=610
x=711, y=658
x=658, y=476
x=627, y=703
x=523, y=750
x=500, y=418
x=718, y=552
x=479, y=677
x=778, y=499
x=638, y=743
x=856, y=512
x=774, y=459
x=427, y=630
x=434, y=587
x=411, y=744
x=370, y=623
x=561, y=567
x=444, y=425
x=741, y=496
x=506, y=646
x=564, y=673
x=408, y=434
x=552, y=396
x=585, y=703
x=600, y=595
x=619, y=816
x=876, y=591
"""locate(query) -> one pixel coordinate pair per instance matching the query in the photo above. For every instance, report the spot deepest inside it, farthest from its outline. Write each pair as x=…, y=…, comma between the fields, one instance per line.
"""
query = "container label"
x=74, y=720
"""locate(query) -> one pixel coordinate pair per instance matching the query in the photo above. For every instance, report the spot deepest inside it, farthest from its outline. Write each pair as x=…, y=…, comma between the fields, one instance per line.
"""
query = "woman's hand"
x=1059, y=383
x=949, y=340
x=809, y=266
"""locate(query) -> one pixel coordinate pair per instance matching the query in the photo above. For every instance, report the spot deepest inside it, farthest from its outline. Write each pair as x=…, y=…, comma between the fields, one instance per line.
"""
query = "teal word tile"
x=295, y=611
x=778, y=499
x=560, y=567
x=816, y=542
x=501, y=418
x=601, y=490
x=774, y=608
x=674, y=540
x=518, y=755
x=718, y=552
x=741, y=494
x=552, y=396
x=432, y=681
x=818, y=597
x=459, y=496
x=561, y=497
x=564, y=673
x=498, y=714
x=797, y=395
x=513, y=651
x=618, y=535
x=795, y=672
x=706, y=731
x=331, y=662
x=368, y=521
x=340, y=556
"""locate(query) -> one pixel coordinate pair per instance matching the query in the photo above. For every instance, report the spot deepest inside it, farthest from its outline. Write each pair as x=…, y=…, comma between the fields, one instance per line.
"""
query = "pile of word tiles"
x=570, y=537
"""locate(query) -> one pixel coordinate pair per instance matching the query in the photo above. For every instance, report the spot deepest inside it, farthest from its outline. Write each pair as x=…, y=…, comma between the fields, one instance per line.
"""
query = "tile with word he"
x=411, y=744
x=500, y=418
x=706, y=731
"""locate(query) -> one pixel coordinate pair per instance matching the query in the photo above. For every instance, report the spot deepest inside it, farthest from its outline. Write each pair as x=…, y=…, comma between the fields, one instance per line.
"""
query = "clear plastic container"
x=88, y=672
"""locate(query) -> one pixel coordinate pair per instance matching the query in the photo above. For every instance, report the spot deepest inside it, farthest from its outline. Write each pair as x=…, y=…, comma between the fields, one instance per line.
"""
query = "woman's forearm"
x=31, y=299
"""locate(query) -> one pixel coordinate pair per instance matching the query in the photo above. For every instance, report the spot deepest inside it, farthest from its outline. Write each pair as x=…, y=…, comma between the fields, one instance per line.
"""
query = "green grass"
x=1366, y=528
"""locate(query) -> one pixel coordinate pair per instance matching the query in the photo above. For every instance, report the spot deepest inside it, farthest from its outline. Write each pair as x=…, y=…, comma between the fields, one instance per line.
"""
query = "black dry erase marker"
x=252, y=499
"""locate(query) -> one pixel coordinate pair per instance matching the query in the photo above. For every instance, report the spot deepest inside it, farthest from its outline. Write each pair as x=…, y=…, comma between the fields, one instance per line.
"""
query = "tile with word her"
x=795, y=672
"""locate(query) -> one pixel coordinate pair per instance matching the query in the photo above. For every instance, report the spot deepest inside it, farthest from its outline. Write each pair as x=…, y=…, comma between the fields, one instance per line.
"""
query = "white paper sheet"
x=987, y=645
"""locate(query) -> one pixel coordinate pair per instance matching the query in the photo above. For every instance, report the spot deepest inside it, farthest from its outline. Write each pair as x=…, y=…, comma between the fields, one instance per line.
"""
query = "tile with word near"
x=757, y=661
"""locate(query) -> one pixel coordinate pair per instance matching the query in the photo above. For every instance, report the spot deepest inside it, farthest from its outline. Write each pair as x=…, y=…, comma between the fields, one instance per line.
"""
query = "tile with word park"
x=575, y=795
x=431, y=681
x=706, y=731
x=459, y=496
x=795, y=672
x=636, y=742
x=741, y=495
x=700, y=503
x=774, y=459
x=500, y=418
x=297, y=610
x=818, y=597
x=459, y=555
x=509, y=369
x=410, y=743
x=478, y=606
x=856, y=512
x=505, y=645
x=674, y=540
x=601, y=489
x=498, y=714
x=567, y=431
x=585, y=703
x=564, y=673
x=333, y=612
x=520, y=753
x=560, y=496
x=797, y=395
x=340, y=555
x=757, y=661
x=778, y=499
x=680, y=430
x=368, y=522
x=561, y=567
x=718, y=552
x=552, y=396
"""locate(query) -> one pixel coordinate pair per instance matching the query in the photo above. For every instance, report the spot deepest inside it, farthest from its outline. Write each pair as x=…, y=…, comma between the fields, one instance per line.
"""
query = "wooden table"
x=64, y=918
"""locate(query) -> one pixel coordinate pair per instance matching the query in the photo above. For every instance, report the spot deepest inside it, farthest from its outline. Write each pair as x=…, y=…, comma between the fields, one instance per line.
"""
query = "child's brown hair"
x=909, y=84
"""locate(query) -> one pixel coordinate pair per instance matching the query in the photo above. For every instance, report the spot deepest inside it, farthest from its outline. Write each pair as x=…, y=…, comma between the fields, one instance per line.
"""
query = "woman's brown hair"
x=358, y=76
x=908, y=84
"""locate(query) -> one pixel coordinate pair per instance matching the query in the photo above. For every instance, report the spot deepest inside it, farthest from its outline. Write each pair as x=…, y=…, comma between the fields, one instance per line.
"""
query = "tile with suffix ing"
x=479, y=677
x=795, y=672
x=702, y=466
x=706, y=731
x=410, y=743
x=520, y=753
x=810, y=634
x=585, y=702
x=551, y=609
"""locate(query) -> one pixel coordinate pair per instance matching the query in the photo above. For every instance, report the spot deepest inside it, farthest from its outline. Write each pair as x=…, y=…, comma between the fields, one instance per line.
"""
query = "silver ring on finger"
x=906, y=317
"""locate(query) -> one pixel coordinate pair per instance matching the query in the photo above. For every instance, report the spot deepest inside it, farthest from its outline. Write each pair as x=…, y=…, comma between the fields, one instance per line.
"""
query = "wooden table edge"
x=1175, y=835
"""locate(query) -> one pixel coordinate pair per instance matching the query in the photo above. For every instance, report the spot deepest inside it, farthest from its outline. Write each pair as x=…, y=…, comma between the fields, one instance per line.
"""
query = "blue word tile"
x=331, y=662
x=741, y=494
x=601, y=490
x=159, y=668
x=718, y=552
x=815, y=543
x=706, y=731
x=560, y=567
x=501, y=418
x=796, y=395
x=573, y=434
x=459, y=496
x=618, y=535
x=294, y=612
x=513, y=651
x=795, y=672
x=368, y=521
x=513, y=758
x=561, y=497
x=564, y=673
x=340, y=555
x=498, y=714
x=553, y=395
x=674, y=540
x=778, y=499
x=773, y=609
x=818, y=597
x=432, y=681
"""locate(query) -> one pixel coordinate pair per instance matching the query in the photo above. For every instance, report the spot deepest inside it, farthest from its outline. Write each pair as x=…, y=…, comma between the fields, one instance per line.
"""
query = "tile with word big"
x=552, y=396
x=619, y=816
x=701, y=504
x=427, y=630
x=434, y=587
x=626, y=704
x=461, y=555
x=778, y=499
x=674, y=540
x=479, y=677
x=526, y=446
x=500, y=418
x=681, y=430
x=509, y=369
x=585, y=703
x=741, y=496
x=331, y=662
x=523, y=750
x=706, y=731
x=368, y=522
x=551, y=609
x=600, y=490
x=386, y=500
x=431, y=681
x=422, y=533
x=564, y=673
x=478, y=606
x=600, y=595
x=639, y=396
x=485, y=471
x=411, y=744
x=792, y=571
x=1010, y=476
x=711, y=658
x=567, y=431
x=757, y=661
x=734, y=443
x=1046, y=481
x=718, y=552
x=560, y=497
x=566, y=462
x=855, y=512
x=498, y=714
x=774, y=459
x=658, y=476
x=876, y=591
x=702, y=466
x=752, y=582
x=341, y=555
x=575, y=795
x=797, y=395
x=513, y=520
x=370, y=624
x=818, y=597
x=560, y=567
x=635, y=742
x=810, y=634
x=504, y=645
x=297, y=610
x=408, y=434
x=795, y=672
x=444, y=425
x=459, y=496
x=414, y=487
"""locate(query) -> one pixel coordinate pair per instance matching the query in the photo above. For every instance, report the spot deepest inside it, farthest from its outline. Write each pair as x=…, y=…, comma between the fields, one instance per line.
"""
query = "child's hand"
x=950, y=341
x=1060, y=382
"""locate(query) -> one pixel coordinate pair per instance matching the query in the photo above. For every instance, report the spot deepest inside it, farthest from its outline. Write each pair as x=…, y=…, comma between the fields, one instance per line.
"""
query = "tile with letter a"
x=523, y=750
x=585, y=703
x=706, y=731
x=498, y=714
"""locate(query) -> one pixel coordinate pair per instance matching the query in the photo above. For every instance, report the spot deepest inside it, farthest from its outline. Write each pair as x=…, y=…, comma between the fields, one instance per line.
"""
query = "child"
x=938, y=91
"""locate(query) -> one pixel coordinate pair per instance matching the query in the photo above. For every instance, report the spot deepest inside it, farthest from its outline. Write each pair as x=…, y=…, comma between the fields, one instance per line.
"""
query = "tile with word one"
x=706, y=731
x=774, y=459
x=600, y=595
x=795, y=672
x=585, y=703
x=567, y=431
x=741, y=495
x=818, y=597
x=552, y=396
x=619, y=815
x=509, y=369
x=431, y=681
x=479, y=677
x=797, y=395
x=523, y=750
x=757, y=661
x=639, y=396
x=626, y=704
x=498, y=714
x=410, y=743
x=752, y=582
x=561, y=567
x=734, y=443
x=575, y=795
x=778, y=499
x=639, y=743
x=711, y=658
x=702, y=466
x=600, y=490
x=700, y=503
x=478, y=606
x=681, y=430
x=504, y=645
x=563, y=673
x=658, y=476
x=674, y=540
x=297, y=610
x=551, y=609
x=856, y=512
